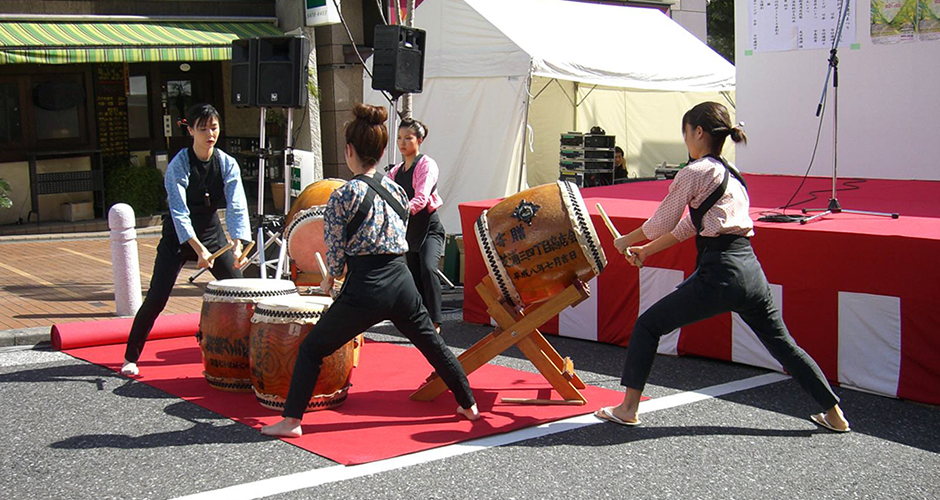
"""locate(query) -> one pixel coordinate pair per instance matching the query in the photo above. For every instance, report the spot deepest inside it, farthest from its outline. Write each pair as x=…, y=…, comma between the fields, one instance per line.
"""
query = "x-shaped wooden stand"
x=521, y=329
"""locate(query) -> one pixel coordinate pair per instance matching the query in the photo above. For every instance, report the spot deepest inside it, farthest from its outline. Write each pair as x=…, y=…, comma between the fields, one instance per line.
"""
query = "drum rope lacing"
x=583, y=226
x=246, y=294
x=259, y=312
x=315, y=211
x=491, y=257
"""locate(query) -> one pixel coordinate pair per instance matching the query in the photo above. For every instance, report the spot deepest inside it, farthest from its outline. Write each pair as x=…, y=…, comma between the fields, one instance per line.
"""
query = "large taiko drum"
x=225, y=325
x=538, y=242
x=304, y=230
x=277, y=329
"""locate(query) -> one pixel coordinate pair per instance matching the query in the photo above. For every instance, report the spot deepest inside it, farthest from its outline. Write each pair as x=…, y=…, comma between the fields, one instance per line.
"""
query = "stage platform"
x=858, y=292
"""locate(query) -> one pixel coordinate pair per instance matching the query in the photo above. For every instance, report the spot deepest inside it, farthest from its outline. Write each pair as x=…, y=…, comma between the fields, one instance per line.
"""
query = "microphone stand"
x=834, y=206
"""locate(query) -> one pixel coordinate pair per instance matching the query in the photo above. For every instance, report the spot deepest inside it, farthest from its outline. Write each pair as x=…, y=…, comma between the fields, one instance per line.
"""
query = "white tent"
x=493, y=66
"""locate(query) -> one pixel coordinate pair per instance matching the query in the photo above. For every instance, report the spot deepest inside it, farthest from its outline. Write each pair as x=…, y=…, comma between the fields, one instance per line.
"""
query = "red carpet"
x=378, y=420
x=115, y=331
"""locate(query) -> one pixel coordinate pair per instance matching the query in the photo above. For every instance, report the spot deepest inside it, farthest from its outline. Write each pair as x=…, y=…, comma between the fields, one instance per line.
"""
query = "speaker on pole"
x=244, y=72
x=282, y=71
x=398, y=59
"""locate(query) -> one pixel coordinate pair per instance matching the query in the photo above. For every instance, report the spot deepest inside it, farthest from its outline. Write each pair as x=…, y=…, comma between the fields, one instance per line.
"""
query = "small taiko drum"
x=225, y=326
x=538, y=242
x=304, y=230
x=278, y=327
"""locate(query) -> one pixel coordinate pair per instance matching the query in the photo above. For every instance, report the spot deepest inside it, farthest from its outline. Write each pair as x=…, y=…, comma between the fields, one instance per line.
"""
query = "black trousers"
x=377, y=287
x=728, y=278
x=423, y=265
x=171, y=256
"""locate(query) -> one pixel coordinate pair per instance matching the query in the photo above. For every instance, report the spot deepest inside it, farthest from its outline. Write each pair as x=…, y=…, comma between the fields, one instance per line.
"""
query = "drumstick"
x=321, y=264
x=323, y=272
x=614, y=232
x=228, y=246
x=245, y=252
x=212, y=257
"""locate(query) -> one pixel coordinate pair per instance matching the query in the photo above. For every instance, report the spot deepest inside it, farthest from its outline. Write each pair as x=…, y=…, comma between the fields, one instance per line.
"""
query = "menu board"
x=111, y=109
x=778, y=25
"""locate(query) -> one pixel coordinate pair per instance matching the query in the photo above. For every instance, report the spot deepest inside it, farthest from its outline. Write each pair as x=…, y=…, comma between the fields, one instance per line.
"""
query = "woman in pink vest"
x=418, y=174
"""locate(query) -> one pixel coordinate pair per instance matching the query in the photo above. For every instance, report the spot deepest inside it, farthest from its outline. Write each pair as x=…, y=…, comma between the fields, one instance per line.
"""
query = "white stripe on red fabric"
x=656, y=283
x=580, y=321
x=870, y=342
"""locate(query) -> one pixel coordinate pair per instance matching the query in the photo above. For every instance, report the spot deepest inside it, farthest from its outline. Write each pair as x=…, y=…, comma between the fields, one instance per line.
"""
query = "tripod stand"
x=834, y=206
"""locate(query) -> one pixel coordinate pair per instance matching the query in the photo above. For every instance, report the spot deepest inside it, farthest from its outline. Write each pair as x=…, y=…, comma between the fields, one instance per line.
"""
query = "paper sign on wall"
x=778, y=25
x=322, y=12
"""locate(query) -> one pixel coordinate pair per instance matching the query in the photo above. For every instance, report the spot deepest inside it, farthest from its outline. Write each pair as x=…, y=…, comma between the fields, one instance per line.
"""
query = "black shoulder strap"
x=698, y=213
x=734, y=171
x=375, y=187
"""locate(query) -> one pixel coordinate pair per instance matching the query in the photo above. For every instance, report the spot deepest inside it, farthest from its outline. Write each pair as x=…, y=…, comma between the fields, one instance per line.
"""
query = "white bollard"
x=124, y=265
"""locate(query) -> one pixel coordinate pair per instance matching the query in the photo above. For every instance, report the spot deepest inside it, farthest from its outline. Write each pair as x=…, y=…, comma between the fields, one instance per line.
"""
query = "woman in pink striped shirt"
x=418, y=174
x=727, y=277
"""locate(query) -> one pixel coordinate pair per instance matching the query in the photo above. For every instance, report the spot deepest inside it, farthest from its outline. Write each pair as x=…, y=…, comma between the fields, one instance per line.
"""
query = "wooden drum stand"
x=521, y=329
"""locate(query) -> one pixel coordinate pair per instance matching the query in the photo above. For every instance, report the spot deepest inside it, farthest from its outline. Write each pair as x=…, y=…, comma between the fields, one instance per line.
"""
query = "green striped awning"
x=58, y=42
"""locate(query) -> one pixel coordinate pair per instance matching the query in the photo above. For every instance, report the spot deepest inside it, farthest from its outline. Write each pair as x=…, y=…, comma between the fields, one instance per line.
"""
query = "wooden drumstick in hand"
x=243, y=258
x=228, y=246
x=615, y=233
x=323, y=272
x=212, y=258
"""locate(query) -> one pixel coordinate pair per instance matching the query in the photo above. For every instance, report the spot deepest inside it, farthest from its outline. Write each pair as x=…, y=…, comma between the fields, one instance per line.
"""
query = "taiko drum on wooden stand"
x=537, y=242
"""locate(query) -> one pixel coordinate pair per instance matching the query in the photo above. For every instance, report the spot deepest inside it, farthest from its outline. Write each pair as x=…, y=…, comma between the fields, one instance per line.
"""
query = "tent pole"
x=576, y=106
x=525, y=126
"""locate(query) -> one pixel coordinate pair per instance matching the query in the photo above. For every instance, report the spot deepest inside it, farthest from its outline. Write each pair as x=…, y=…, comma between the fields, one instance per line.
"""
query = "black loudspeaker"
x=398, y=59
x=282, y=71
x=244, y=72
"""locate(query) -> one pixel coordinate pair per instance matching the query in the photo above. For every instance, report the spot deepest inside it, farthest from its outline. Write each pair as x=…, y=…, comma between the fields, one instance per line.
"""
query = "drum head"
x=305, y=238
x=294, y=309
x=247, y=289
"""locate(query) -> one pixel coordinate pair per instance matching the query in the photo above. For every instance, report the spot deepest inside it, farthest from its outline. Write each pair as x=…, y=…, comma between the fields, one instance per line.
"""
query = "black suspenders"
x=375, y=187
x=698, y=213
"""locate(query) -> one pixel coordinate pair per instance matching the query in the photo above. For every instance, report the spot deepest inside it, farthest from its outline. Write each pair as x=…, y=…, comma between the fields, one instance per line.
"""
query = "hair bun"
x=373, y=114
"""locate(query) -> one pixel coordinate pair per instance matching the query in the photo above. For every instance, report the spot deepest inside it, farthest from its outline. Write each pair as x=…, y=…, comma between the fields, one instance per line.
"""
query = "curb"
x=25, y=336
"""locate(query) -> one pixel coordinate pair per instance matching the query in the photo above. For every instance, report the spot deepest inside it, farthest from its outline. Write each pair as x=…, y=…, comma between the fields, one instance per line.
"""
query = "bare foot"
x=836, y=419
x=289, y=428
x=471, y=413
x=618, y=414
x=130, y=369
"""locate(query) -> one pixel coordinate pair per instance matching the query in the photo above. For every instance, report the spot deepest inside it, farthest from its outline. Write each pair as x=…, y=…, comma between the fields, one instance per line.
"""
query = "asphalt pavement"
x=711, y=430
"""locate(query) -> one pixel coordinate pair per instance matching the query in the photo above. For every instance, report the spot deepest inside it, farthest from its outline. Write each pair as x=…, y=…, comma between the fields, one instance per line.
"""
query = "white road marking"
x=316, y=477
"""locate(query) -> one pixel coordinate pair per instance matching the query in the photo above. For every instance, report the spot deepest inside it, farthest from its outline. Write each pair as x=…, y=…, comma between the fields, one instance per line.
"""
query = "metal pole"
x=288, y=157
x=261, y=173
x=410, y=22
x=392, y=132
x=525, y=127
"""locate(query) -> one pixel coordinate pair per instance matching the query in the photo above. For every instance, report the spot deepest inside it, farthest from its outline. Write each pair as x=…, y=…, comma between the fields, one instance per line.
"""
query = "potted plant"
x=5, y=201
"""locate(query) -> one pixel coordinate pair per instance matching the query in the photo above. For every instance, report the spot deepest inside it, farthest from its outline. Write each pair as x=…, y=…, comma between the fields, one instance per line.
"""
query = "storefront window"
x=10, y=123
x=60, y=124
x=138, y=109
x=56, y=105
x=180, y=94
